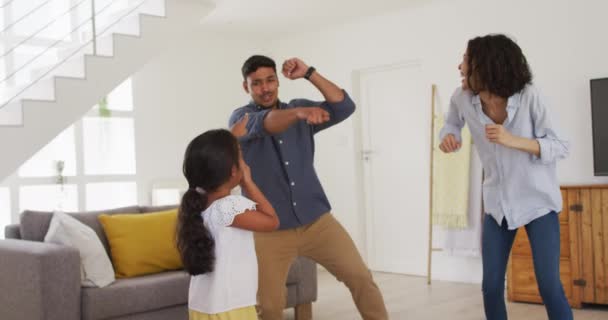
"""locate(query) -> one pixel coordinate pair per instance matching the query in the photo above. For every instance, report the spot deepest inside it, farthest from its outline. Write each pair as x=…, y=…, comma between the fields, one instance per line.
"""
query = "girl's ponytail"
x=208, y=163
x=194, y=242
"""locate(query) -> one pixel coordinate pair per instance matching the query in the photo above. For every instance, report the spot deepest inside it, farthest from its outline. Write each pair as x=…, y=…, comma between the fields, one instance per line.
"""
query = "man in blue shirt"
x=277, y=141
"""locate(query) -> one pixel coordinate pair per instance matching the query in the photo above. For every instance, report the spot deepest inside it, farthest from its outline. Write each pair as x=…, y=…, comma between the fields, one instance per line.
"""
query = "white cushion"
x=95, y=266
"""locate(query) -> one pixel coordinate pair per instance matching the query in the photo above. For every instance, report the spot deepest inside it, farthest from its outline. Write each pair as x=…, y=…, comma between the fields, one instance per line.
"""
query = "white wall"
x=564, y=40
x=191, y=88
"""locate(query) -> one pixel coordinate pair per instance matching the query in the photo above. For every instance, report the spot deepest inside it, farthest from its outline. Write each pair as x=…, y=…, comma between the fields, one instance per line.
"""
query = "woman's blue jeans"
x=496, y=246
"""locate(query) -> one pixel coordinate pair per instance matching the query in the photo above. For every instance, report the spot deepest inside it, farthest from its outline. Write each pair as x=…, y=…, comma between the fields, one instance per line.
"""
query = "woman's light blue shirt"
x=518, y=186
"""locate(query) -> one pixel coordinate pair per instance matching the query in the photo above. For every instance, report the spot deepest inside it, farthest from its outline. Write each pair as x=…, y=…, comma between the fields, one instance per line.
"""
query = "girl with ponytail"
x=214, y=229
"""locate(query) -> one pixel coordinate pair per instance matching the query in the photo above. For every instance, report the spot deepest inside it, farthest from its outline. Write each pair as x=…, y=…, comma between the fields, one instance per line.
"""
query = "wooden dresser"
x=584, y=251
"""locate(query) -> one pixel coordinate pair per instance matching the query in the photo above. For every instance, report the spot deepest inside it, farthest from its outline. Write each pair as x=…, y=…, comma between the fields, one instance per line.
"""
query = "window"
x=109, y=146
x=166, y=196
x=48, y=198
x=121, y=98
x=168, y=192
x=46, y=162
x=108, y=195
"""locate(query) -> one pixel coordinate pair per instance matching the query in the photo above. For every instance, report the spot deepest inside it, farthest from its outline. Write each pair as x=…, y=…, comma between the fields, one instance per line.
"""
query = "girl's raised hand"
x=239, y=129
x=246, y=171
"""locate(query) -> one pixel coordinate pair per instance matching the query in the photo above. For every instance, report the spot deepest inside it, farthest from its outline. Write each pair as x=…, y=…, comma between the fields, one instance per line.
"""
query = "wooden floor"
x=409, y=297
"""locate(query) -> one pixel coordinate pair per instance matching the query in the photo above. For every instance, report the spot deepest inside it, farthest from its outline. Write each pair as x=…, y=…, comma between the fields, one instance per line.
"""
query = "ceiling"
x=277, y=18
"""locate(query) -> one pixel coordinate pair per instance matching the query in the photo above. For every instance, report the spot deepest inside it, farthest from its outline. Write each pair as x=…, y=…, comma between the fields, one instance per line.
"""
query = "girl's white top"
x=233, y=283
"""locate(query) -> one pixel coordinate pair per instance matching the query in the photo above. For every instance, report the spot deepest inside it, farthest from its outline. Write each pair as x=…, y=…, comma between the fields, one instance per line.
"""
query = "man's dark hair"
x=497, y=64
x=255, y=62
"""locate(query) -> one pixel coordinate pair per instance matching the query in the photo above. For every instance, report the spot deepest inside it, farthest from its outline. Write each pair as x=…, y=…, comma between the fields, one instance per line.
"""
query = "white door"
x=395, y=104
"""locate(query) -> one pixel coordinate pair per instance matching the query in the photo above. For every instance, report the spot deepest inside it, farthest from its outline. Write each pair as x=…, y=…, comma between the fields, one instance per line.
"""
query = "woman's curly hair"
x=497, y=64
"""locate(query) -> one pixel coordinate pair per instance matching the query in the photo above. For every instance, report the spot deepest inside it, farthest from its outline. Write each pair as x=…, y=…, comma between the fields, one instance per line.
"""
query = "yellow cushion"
x=142, y=243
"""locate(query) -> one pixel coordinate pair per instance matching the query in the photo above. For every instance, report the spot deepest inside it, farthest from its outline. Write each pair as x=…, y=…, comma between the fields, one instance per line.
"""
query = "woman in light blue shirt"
x=518, y=146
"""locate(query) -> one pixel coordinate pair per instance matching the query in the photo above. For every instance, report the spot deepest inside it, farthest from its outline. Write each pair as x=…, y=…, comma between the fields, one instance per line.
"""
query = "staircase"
x=40, y=98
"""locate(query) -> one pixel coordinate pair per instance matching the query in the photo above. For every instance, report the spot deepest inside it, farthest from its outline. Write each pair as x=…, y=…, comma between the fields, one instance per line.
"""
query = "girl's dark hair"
x=208, y=164
x=497, y=64
x=253, y=63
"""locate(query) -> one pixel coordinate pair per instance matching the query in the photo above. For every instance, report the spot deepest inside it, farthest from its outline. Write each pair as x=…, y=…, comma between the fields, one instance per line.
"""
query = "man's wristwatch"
x=309, y=72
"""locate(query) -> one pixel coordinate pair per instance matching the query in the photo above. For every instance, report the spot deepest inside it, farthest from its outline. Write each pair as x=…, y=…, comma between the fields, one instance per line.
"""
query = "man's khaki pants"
x=326, y=242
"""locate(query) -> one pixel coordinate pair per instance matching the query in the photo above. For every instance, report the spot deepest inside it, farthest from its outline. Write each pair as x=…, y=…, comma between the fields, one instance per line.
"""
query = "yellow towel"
x=451, y=181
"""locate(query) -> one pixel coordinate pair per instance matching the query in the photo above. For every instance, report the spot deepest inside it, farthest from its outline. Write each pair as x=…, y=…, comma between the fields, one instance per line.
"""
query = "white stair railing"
x=38, y=37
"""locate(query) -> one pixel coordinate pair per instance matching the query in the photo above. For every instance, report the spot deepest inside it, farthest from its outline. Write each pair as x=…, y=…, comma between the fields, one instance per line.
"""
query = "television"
x=599, y=122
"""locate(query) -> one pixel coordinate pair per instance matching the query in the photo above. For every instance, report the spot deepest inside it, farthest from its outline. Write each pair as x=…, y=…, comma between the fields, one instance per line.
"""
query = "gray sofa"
x=42, y=281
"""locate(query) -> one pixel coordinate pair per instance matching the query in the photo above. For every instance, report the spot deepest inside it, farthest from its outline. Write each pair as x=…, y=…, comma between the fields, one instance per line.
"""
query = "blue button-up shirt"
x=518, y=186
x=282, y=165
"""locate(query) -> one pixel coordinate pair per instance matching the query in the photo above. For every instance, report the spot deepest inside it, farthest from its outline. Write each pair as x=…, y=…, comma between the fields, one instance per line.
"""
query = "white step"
x=123, y=22
x=41, y=90
x=73, y=67
x=11, y=114
x=154, y=7
x=104, y=45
